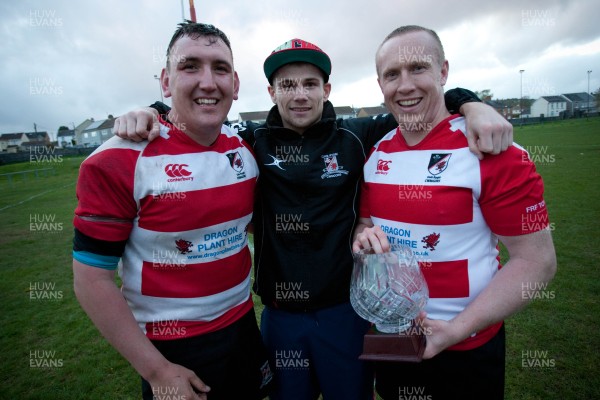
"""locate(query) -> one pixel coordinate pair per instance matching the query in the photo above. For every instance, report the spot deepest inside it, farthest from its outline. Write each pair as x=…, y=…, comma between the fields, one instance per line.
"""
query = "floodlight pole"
x=588, y=94
x=521, y=98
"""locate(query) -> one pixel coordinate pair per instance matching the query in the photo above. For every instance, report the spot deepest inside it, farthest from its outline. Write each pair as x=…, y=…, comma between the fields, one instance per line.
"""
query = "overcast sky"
x=65, y=61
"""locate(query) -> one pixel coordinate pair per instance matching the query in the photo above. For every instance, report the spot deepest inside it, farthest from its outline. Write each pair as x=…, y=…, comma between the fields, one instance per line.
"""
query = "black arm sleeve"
x=457, y=97
x=164, y=109
x=82, y=242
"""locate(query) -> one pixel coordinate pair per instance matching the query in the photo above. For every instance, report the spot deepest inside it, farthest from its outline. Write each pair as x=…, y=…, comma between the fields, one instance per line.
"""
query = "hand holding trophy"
x=389, y=290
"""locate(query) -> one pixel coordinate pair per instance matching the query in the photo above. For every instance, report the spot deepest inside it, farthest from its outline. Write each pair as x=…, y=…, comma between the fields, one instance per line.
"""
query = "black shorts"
x=467, y=375
x=232, y=361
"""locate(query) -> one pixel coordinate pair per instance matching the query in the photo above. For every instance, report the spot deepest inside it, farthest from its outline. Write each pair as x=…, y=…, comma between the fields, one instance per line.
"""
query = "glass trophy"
x=389, y=290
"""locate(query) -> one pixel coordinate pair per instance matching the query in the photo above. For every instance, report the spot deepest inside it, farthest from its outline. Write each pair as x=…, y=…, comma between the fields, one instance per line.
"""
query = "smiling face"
x=412, y=78
x=299, y=92
x=202, y=83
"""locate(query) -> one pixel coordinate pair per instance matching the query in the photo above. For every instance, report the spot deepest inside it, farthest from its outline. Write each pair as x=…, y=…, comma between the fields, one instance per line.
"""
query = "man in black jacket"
x=310, y=169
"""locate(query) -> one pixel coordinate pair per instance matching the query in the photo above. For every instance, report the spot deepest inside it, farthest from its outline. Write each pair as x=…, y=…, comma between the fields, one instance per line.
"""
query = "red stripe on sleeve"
x=105, y=194
x=512, y=194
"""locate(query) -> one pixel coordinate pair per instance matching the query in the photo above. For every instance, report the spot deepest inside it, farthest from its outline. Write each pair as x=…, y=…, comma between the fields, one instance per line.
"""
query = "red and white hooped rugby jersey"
x=447, y=206
x=183, y=209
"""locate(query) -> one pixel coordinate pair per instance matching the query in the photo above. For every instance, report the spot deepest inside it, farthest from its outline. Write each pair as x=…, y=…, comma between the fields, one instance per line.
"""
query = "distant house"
x=79, y=130
x=579, y=103
x=259, y=117
x=66, y=138
x=12, y=141
x=371, y=111
x=39, y=138
x=549, y=106
x=503, y=109
x=97, y=132
x=344, y=112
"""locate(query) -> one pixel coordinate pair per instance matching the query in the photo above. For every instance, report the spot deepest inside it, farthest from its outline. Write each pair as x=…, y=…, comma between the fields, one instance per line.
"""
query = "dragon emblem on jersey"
x=431, y=241
x=183, y=246
x=237, y=163
x=438, y=163
x=332, y=167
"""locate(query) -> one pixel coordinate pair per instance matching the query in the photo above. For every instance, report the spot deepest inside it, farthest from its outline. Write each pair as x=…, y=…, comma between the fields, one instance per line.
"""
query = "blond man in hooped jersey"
x=470, y=205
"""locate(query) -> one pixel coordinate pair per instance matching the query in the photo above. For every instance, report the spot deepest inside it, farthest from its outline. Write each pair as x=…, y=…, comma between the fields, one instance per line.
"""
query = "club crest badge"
x=332, y=168
x=438, y=163
x=237, y=163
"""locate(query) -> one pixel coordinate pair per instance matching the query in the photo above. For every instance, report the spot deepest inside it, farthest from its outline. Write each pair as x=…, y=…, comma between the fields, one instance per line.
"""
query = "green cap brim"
x=281, y=58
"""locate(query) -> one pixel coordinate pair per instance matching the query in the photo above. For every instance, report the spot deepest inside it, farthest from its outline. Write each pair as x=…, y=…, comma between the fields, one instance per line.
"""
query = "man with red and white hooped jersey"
x=424, y=189
x=176, y=212
x=311, y=163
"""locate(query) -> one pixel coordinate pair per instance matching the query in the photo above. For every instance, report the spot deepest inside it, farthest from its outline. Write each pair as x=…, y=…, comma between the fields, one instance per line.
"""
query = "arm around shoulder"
x=138, y=125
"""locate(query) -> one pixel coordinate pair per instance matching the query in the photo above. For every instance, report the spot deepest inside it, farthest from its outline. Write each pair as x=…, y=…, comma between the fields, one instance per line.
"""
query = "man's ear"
x=326, y=91
x=271, y=90
x=445, y=70
x=236, y=85
x=164, y=82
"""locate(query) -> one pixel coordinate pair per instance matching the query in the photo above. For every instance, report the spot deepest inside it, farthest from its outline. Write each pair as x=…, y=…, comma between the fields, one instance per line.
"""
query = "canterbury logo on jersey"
x=178, y=172
x=383, y=166
x=175, y=170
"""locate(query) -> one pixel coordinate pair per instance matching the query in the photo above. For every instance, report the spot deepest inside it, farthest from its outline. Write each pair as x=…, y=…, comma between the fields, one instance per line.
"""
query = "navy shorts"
x=317, y=352
x=232, y=361
x=467, y=375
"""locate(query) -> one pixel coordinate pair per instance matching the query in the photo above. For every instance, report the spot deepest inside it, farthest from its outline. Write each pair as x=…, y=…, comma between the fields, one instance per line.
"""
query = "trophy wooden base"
x=378, y=346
